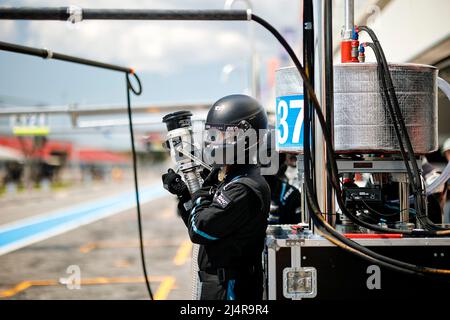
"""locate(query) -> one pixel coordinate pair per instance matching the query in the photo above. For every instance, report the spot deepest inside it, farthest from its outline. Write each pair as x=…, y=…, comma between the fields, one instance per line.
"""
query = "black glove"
x=210, y=178
x=173, y=183
x=205, y=192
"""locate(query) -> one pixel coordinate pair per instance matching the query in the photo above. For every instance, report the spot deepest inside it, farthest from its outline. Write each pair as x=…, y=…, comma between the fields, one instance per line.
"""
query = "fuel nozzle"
x=180, y=142
x=176, y=120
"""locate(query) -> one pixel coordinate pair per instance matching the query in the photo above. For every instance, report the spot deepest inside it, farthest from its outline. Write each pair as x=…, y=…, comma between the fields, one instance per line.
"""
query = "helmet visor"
x=221, y=134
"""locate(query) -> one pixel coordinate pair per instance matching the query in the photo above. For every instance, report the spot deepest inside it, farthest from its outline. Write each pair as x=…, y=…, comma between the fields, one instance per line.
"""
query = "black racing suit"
x=286, y=201
x=229, y=222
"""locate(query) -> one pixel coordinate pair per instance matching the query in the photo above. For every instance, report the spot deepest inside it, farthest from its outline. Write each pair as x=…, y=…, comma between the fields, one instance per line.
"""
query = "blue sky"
x=177, y=61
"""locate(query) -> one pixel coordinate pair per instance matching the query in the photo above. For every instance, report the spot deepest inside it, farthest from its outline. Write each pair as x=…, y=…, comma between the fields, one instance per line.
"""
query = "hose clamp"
x=75, y=14
x=49, y=53
x=249, y=14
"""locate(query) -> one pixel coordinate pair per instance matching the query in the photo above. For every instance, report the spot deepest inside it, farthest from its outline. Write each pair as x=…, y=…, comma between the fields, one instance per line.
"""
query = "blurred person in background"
x=14, y=172
x=434, y=202
x=285, y=198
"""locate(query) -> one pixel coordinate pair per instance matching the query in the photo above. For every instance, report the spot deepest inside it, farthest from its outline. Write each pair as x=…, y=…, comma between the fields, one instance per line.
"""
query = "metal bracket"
x=299, y=283
x=272, y=244
x=75, y=14
x=294, y=242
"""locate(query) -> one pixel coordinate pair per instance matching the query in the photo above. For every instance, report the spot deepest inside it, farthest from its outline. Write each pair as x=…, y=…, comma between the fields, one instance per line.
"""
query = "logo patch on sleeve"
x=222, y=200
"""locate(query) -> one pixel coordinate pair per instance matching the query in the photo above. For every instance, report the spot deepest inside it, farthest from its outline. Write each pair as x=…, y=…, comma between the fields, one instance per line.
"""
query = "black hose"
x=137, y=91
x=31, y=13
x=323, y=226
x=333, y=175
x=388, y=103
x=316, y=215
x=336, y=186
x=329, y=92
x=357, y=249
x=139, y=14
x=391, y=102
x=308, y=60
x=48, y=54
x=396, y=117
x=399, y=121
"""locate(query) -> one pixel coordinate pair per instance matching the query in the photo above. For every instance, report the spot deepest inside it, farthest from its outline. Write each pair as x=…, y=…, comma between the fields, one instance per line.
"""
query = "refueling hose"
x=399, y=126
x=333, y=176
x=137, y=91
x=392, y=104
x=357, y=249
x=48, y=54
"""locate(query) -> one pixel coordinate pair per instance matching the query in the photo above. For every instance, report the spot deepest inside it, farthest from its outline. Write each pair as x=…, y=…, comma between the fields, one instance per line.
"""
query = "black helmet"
x=235, y=108
x=229, y=122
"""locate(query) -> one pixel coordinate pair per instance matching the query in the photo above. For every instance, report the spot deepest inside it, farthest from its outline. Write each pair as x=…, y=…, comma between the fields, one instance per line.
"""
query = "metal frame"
x=373, y=166
x=318, y=241
x=295, y=243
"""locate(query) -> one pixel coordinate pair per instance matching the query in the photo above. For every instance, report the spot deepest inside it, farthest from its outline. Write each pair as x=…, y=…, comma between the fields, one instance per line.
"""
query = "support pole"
x=329, y=97
x=320, y=89
x=349, y=19
x=76, y=14
x=48, y=54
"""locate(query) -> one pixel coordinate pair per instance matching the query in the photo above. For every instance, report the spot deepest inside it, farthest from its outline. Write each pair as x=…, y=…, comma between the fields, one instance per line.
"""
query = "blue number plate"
x=289, y=112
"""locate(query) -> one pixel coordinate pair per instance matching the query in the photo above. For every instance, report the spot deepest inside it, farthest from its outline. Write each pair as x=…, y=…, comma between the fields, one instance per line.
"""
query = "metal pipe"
x=319, y=88
x=78, y=14
x=101, y=109
x=308, y=62
x=349, y=19
x=254, y=72
x=404, y=200
x=329, y=98
x=48, y=54
x=193, y=159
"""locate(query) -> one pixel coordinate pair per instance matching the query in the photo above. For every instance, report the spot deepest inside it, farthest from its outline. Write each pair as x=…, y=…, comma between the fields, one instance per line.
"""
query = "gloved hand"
x=205, y=192
x=173, y=183
x=274, y=214
x=210, y=178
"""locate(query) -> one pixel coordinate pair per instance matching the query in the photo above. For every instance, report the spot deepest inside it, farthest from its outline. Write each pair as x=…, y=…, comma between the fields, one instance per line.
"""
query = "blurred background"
x=66, y=193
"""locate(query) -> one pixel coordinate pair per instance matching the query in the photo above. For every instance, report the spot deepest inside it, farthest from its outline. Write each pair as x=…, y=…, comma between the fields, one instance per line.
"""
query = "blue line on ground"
x=73, y=216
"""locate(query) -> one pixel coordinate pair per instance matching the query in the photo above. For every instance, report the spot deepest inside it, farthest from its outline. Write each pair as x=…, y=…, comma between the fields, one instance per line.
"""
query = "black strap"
x=225, y=274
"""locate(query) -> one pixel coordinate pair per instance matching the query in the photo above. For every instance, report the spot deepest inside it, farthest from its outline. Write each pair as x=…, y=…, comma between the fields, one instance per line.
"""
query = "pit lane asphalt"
x=105, y=252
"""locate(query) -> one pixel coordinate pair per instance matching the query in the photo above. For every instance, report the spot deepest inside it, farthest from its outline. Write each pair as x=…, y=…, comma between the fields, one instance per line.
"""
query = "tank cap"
x=179, y=119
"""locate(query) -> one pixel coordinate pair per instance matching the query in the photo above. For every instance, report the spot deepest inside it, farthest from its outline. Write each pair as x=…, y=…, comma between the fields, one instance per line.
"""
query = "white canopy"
x=7, y=153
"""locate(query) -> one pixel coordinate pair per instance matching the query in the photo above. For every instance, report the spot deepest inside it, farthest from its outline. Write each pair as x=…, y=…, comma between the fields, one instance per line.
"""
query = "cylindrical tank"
x=362, y=123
